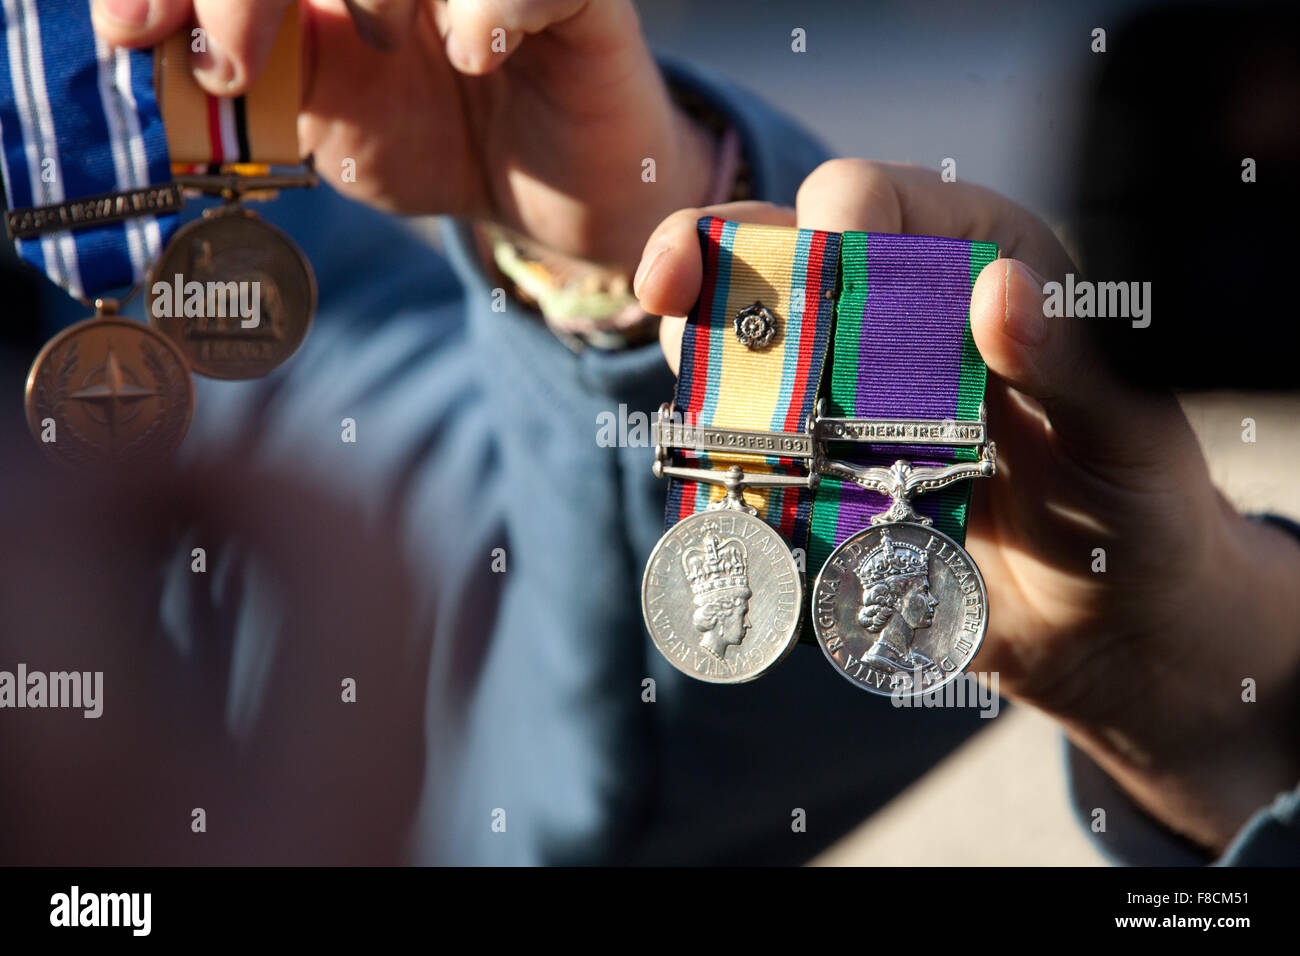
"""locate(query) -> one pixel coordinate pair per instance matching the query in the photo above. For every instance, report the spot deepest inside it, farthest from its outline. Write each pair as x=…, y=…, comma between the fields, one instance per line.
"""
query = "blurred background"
x=997, y=86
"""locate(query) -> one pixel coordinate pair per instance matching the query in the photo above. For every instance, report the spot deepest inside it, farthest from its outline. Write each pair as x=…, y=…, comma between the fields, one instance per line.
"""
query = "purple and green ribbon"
x=902, y=348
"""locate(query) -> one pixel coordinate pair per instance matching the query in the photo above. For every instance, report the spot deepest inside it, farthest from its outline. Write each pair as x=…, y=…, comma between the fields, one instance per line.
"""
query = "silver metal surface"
x=898, y=431
x=733, y=441
x=901, y=481
x=734, y=475
x=755, y=326
x=722, y=596
x=899, y=609
x=901, y=431
x=668, y=434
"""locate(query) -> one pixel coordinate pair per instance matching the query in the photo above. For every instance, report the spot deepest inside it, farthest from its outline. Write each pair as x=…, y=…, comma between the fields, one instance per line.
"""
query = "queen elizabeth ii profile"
x=719, y=582
x=896, y=603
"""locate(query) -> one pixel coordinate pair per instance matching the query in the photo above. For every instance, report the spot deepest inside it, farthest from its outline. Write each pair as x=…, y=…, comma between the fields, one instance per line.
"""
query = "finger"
x=384, y=24
x=1096, y=416
x=136, y=23
x=667, y=282
x=237, y=40
x=483, y=33
x=859, y=195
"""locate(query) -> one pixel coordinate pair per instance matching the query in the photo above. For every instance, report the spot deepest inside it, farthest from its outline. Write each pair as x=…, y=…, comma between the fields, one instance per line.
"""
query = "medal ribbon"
x=242, y=134
x=902, y=349
x=724, y=384
x=78, y=119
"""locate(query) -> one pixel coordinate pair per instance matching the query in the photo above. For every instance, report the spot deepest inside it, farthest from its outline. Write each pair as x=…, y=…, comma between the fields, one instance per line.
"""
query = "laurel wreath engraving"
x=164, y=433
x=51, y=394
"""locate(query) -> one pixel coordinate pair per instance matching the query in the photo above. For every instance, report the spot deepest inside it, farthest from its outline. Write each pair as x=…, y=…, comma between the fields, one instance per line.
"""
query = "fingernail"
x=1022, y=312
x=647, y=266
x=458, y=55
x=213, y=68
x=129, y=13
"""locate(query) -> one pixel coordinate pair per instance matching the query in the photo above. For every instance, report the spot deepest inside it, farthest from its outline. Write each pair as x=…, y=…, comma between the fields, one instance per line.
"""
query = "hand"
x=547, y=137
x=1143, y=664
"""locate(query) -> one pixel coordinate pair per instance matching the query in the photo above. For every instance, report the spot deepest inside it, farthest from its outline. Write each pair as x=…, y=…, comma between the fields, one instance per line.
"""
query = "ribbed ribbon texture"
x=723, y=383
x=77, y=119
x=902, y=349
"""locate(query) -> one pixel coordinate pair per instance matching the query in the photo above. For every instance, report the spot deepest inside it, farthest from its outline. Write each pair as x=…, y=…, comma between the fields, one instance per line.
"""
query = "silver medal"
x=722, y=596
x=900, y=608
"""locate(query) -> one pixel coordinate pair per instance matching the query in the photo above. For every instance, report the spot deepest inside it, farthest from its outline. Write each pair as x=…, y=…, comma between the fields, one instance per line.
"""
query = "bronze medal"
x=234, y=293
x=109, y=391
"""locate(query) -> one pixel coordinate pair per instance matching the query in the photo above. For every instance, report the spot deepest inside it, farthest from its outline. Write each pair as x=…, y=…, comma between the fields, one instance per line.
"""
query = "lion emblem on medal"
x=241, y=266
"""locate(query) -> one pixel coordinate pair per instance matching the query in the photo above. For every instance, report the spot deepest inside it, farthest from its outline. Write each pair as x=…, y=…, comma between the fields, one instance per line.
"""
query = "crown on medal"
x=717, y=565
x=888, y=559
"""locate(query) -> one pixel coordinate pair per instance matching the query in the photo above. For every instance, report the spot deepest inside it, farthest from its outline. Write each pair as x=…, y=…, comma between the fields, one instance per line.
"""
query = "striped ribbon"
x=245, y=134
x=79, y=119
x=902, y=349
x=723, y=383
x=228, y=130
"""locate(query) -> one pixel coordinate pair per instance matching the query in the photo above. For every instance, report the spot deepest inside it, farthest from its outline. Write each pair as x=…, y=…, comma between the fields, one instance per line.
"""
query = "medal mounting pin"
x=106, y=307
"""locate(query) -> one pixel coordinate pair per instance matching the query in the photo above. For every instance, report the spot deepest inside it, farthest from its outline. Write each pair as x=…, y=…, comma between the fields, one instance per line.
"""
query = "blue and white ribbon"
x=79, y=119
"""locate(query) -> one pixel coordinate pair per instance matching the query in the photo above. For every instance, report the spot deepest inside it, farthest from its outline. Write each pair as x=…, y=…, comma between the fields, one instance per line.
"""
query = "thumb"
x=668, y=281
x=1097, y=417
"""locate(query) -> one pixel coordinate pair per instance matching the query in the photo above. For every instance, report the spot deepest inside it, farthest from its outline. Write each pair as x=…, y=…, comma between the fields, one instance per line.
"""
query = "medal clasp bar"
x=901, y=481
x=84, y=212
x=233, y=185
x=669, y=434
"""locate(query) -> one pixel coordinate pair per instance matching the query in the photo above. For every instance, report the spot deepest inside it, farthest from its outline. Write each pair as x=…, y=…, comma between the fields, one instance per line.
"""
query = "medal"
x=91, y=203
x=722, y=593
x=232, y=291
x=109, y=391
x=899, y=607
x=739, y=576
x=245, y=291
